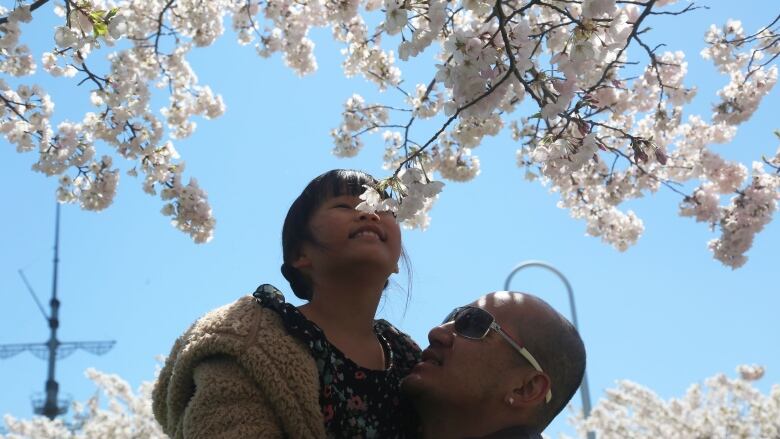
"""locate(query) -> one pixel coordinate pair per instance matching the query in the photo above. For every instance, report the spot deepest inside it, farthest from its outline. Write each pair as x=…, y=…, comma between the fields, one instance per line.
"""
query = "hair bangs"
x=339, y=183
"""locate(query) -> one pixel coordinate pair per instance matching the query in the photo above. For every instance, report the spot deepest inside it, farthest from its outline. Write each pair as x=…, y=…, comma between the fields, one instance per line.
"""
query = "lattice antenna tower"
x=54, y=349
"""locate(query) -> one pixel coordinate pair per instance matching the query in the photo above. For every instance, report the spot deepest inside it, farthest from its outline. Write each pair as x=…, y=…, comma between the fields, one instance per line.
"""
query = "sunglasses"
x=475, y=323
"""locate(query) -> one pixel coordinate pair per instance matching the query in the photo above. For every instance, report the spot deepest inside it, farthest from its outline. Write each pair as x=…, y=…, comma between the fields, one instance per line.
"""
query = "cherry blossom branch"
x=750, y=38
x=255, y=29
x=386, y=107
x=35, y=5
x=91, y=76
x=690, y=7
x=160, y=26
x=374, y=127
x=645, y=13
x=447, y=123
x=654, y=64
x=754, y=55
x=397, y=87
x=11, y=105
x=772, y=165
x=668, y=183
x=561, y=11
x=409, y=158
x=565, y=58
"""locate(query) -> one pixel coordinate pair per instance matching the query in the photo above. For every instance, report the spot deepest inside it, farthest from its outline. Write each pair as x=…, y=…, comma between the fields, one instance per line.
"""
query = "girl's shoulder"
x=236, y=329
x=390, y=331
x=243, y=330
x=269, y=297
x=241, y=318
x=243, y=335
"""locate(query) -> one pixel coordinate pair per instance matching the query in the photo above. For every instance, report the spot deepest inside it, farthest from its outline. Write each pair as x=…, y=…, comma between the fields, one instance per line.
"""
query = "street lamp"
x=584, y=392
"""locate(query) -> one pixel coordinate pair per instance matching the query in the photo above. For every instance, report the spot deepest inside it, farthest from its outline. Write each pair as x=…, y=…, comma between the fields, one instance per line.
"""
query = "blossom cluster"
x=608, y=122
x=720, y=408
x=122, y=120
x=749, y=211
x=126, y=414
x=412, y=196
x=602, y=135
x=358, y=118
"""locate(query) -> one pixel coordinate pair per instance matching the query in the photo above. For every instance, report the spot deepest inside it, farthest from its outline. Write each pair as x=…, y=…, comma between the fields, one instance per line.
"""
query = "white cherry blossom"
x=125, y=414
x=720, y=407
x=600, y=116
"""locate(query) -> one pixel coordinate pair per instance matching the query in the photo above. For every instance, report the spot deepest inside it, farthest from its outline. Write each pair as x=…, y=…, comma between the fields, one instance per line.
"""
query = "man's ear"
x=529, y=390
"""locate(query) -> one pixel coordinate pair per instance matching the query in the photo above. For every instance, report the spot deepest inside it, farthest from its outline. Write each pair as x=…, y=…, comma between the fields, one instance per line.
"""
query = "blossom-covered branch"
x=597, y=111
x=570, y=59
x=126, y=414
x=722, y=407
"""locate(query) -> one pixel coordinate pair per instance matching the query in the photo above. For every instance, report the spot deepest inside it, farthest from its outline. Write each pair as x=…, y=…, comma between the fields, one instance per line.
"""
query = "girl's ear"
x=302, y=261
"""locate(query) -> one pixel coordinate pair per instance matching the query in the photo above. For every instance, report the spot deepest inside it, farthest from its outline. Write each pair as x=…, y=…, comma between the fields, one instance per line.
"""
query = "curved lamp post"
x=584, y=391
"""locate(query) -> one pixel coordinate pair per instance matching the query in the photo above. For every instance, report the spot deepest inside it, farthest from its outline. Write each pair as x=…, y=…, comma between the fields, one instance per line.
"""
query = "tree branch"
x=37, y=4
x=690, y=7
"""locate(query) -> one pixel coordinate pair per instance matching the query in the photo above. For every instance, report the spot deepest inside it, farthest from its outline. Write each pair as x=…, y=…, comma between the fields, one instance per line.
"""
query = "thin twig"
x=37, y=4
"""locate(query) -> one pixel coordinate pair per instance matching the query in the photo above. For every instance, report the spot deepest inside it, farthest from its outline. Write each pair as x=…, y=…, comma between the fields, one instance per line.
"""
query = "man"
x=502, y=367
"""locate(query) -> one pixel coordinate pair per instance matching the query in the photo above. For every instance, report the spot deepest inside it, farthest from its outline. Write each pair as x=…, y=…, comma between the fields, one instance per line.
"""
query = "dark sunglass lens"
x=450, y=317
x=473, y=323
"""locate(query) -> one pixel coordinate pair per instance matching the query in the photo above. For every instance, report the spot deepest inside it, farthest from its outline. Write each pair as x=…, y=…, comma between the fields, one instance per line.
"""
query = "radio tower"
x=52, y=350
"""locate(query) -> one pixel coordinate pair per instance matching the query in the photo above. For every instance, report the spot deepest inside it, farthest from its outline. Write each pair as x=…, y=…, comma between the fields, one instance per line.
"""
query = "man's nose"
x=441, y=335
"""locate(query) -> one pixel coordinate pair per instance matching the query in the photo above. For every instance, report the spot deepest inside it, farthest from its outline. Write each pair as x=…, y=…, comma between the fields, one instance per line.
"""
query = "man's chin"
x=414, y=384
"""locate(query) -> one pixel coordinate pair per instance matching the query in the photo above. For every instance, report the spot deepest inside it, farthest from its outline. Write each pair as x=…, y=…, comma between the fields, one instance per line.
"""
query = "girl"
x=261, y=367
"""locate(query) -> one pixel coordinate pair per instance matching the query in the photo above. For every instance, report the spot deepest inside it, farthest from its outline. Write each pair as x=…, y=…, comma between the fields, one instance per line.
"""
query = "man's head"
x=500, y=380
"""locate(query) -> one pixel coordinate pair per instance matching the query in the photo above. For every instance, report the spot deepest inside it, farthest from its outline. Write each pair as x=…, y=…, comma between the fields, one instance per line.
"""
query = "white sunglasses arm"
x=524, y=352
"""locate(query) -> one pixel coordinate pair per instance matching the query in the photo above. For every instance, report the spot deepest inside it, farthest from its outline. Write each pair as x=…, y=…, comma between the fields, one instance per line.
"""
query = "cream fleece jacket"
x=237, y=373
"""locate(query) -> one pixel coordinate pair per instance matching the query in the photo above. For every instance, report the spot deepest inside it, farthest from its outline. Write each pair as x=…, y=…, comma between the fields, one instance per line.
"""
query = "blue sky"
x=663, y=313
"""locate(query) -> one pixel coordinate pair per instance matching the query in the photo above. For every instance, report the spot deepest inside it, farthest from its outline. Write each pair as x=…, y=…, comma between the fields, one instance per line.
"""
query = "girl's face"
x=346, y=237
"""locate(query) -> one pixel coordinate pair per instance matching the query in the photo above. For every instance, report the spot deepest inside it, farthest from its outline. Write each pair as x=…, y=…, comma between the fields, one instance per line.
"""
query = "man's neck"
x=453, y=425
x=513, y=433
x=450, y=424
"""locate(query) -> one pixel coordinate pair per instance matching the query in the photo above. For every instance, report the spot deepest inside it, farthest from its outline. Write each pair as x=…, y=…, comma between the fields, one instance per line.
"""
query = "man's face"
x=471, y=373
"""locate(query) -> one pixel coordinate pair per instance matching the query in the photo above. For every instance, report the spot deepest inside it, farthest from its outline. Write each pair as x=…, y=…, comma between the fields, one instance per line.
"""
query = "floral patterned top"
x=356, y=402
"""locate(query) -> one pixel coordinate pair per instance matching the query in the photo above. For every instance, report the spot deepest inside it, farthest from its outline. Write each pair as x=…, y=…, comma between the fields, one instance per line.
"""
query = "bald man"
x=502, y=367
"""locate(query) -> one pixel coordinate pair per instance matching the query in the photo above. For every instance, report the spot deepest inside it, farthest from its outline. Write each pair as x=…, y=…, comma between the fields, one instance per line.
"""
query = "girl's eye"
x=343, y=206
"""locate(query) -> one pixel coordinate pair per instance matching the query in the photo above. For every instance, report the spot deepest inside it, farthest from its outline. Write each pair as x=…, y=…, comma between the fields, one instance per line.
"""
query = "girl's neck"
x=345, y=313
x=344, y=306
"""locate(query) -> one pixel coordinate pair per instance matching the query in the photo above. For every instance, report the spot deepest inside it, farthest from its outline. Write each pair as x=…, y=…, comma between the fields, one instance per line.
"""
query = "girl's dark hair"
x=296, y=229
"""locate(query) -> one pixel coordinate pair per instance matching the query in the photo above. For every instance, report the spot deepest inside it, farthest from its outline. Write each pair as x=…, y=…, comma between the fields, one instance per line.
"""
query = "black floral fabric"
x=356, y=402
